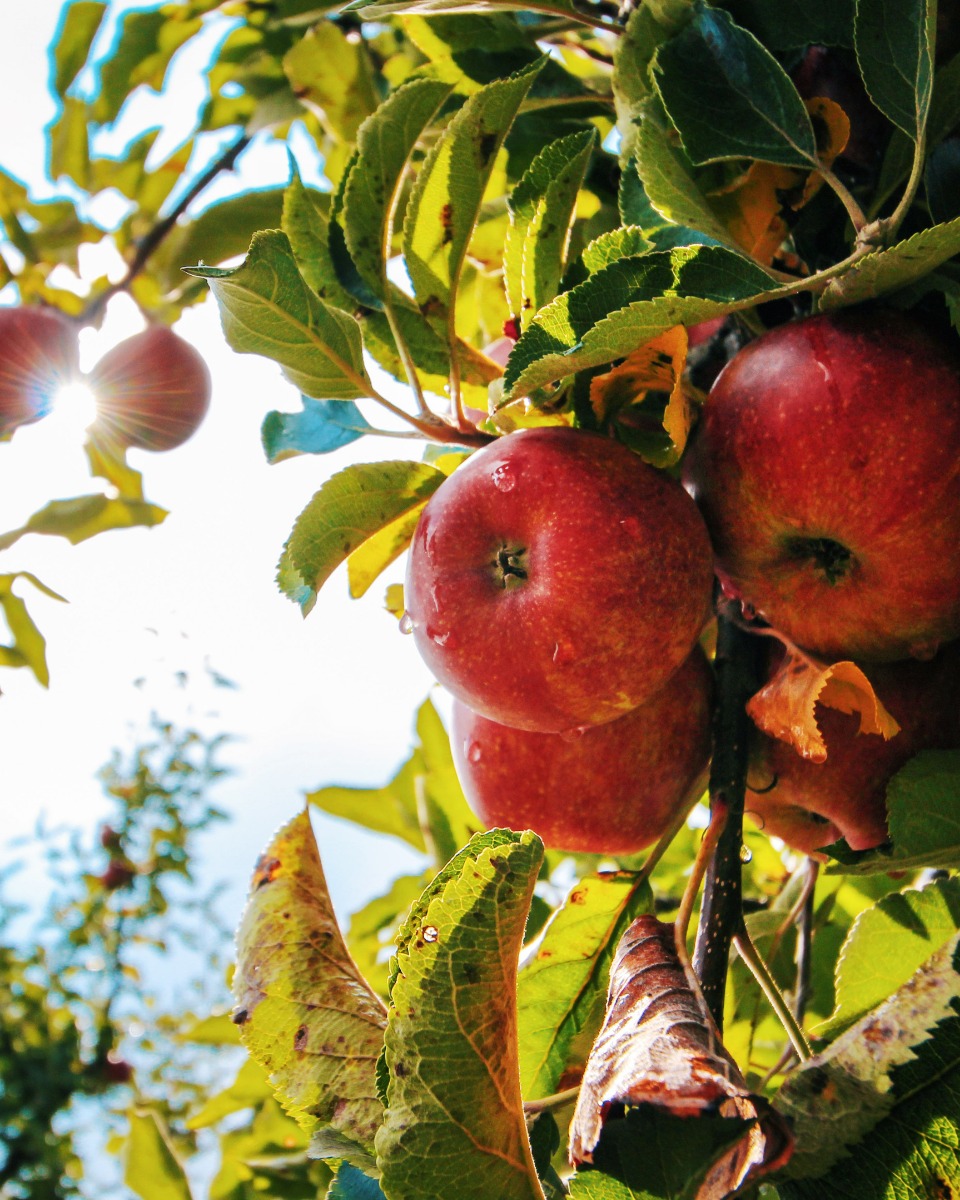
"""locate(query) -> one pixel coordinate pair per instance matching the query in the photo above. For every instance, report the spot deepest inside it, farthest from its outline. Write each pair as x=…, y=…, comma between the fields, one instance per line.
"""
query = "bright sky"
x=326, y=700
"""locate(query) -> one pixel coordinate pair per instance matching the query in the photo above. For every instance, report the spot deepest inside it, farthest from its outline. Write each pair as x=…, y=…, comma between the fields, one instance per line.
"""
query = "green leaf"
x=306, y=222
x=892, y=39
x=151, y=1168
x=652, y=1155
x=454, y=1126
x=73, y=39
x=625, y=242
x=385, y=143
x=628, y=303
x=321, y=426
x=351, y=507
x=894, y=1079
x=249, y=1089
x=729, y=97
x=445, y=201
x=368, y=562
x=671, y=191
x=562, y=991
x=445, y=815
x=886, y=944
x=29, y=649
x=391, y=809
x=331, y=72
x=792, y=24
x=305, y=1012
x=352, y=1184
x=373, y=928
x=85, y=516
x=68, y=140
x=375, y=10
x=141, y=55
x=900, y=265
x=267, y=308
x=542, y=207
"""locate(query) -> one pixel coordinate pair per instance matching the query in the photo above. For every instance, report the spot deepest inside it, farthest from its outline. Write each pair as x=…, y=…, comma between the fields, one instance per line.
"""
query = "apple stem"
x=738, y=666
x=761, y=973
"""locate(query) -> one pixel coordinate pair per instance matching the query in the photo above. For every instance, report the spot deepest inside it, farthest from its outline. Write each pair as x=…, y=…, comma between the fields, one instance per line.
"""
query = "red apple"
x=38, y=355
x=827, y=465
x=612, y=789
x=556, y=581
x=812, y=804
x=153, y=390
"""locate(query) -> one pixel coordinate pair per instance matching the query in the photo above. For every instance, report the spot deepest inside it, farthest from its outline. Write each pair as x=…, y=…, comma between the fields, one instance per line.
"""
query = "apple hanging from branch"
x=152, y=391
x=555, y=580
x=613, y=789
x=38, y=356
x=827, y=466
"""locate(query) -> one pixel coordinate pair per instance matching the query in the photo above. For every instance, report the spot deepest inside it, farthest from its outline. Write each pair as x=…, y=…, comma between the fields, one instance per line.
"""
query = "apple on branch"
x=809, y=804
x=827, y=466
x=613, y=789
x=152, y=391
x=555, y=580
x=38, y=356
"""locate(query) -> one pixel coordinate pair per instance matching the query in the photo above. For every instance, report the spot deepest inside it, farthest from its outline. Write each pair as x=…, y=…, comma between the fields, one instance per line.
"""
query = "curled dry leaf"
x=659, y=1046
x=785, y=707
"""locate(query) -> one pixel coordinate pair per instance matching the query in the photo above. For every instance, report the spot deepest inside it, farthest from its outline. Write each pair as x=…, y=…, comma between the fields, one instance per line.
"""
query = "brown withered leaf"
x=785, y=707
x=659, y=1047
x=656, y=366
x=756, y=206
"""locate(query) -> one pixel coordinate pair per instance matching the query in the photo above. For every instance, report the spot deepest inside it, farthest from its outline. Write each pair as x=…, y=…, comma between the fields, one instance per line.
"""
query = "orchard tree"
x=670, y=296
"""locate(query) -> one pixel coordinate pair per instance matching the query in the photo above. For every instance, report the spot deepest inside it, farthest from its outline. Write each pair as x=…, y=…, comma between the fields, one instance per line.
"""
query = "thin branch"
x=151, y=242
x=737, y=667
x=854, y=211
x=557, y=1100
x=761, y=972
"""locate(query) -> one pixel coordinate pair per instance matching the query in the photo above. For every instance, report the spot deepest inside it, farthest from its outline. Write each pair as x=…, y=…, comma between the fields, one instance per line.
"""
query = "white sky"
x=326, y=700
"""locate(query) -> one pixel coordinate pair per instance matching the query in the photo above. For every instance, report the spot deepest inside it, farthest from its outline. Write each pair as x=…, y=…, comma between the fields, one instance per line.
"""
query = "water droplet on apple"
x=571, y=735
x=563, y=652
x=445, y=639
x=474, y=752
x=406, y=623
x=503, y=478
x=746, y=854
x=631, y=525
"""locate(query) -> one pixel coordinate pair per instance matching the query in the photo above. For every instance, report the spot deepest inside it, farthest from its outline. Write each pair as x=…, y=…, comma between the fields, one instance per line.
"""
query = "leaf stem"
x=854, y=211
x=676, y=824
x=557, y=1100
x=761, y=972
x=152, y=240
x=888, y=226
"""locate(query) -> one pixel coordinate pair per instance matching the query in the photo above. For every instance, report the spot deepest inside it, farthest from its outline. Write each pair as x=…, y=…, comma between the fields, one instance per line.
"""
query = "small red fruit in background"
x=38, y=356
x=810, y=804
x=827, y=466
x=119, y=874
x=555, y=580
x=152, y=390
x=613, y=789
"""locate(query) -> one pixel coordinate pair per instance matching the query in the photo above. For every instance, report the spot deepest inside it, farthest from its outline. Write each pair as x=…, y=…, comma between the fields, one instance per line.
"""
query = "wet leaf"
x=785, y=707
x=659, y=1047
x=453, y=1090
x=304, y=1011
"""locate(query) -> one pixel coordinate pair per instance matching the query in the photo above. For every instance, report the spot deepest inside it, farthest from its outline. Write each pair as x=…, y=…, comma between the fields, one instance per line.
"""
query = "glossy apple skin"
x=153, y=390
x=555, y=580
x=611, y=790
x=38, y=356
x=814, y=804
x=827, y=466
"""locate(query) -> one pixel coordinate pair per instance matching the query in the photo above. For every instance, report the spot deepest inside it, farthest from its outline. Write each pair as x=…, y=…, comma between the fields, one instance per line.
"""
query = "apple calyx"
x=510, y=567
x=830, y=558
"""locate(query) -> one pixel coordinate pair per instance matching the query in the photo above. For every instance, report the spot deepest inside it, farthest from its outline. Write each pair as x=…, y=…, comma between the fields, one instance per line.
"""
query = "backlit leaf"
x=385, y=142
x=331, y=73
x=561, y=992
x=729, y=97
x=351, y=507
x=151, y=1168
x=75, y=35
x=28, y=647
x=85, y=516
x=541, y=209
x=304, y=1011
x=445, y=201
x=391, y=809
x=785, y=707
x=320, y=427
x=886, y=944
x=267, y=308
x=453, y=1092
x=893, y=40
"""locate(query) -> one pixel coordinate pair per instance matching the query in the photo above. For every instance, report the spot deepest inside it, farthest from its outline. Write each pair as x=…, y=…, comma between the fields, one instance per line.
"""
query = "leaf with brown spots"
x=894, y=1079
x=305, y=1012
x=785, y=707
x=660, y=1048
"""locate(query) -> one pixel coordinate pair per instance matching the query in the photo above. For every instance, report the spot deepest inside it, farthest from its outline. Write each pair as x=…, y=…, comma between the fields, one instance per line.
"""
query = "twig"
x=557, y=1100
x=721, y=915
x=149, y=244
